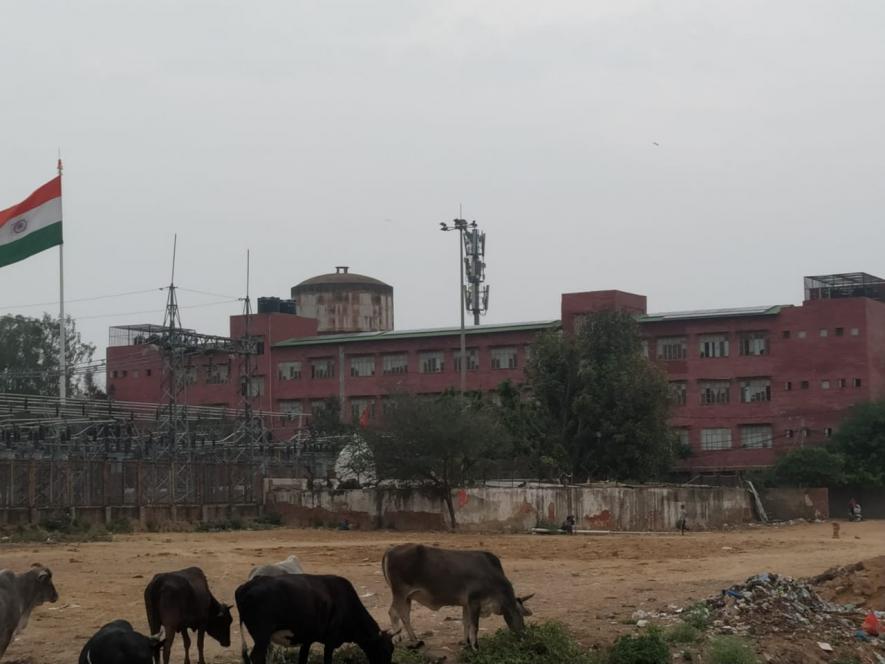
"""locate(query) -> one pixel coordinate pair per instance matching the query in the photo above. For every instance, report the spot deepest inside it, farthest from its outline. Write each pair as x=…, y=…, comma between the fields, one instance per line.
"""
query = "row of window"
x=719, y=345
x=751, y=390
x=429, y=362
x=751, y=436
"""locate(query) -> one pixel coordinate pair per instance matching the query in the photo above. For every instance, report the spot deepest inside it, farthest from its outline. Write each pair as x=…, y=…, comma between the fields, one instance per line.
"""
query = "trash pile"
x=862, y=583
x=769, y=604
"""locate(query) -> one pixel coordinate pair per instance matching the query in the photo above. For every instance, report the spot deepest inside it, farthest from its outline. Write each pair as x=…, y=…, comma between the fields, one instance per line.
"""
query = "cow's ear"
x=44, y=574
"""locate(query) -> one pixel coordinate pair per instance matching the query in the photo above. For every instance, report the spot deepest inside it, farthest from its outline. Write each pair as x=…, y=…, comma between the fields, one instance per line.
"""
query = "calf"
x=19, y=595
x=178, y=601
x=288, y=566
x=473, y=580
x=303, y=609
x=118, y=643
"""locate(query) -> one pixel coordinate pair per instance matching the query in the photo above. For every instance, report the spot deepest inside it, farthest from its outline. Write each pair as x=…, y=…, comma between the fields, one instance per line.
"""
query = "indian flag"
x=33, y=225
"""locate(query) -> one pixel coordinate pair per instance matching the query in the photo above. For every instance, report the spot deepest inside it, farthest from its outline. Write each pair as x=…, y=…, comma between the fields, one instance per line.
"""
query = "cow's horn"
x=159, y=636
x=43, y=573
x=526, y=598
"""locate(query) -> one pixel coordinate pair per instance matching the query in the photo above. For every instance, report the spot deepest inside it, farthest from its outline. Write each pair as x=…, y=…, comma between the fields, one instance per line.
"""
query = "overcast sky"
x=706, y=154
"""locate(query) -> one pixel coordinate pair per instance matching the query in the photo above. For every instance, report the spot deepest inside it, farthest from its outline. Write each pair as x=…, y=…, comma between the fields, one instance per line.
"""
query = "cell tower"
x=476, y=295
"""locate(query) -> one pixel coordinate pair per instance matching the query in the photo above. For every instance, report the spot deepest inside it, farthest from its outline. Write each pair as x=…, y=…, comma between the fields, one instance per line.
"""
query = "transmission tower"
x=476, y=295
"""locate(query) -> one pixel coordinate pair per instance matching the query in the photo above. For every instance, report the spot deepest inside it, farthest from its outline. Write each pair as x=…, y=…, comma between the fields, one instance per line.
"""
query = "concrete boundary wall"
x=517, y=509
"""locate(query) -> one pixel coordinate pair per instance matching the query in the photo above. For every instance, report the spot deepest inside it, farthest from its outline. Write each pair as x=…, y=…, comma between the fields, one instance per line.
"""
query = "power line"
x=81, y=299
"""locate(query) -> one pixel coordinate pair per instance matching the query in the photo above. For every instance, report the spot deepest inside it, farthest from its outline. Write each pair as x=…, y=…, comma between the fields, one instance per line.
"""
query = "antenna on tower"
x=172, y=318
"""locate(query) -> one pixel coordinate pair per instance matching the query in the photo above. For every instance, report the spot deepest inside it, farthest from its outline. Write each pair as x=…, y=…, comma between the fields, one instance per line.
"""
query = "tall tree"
x=29, y=357
x=605, y=403
x=860, y=440
x=440, y=443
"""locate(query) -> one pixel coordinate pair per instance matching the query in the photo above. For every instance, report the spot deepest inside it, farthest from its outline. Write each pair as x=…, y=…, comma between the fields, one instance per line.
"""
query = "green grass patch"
x=647, y=648
x=57, y=529
x=543, y=643
x=683, y=633
x=265, y=522
x=731, y=650
x=348, y=654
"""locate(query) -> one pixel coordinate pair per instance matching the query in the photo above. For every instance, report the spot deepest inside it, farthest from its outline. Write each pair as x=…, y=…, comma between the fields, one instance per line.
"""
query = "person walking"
x=682, y=522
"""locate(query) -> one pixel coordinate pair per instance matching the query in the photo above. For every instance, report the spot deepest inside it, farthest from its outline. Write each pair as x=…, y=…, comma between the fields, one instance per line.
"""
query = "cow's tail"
x=245, y=650
x=384, y=564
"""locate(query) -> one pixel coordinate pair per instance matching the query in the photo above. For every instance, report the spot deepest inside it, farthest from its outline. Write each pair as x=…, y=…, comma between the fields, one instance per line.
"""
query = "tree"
x=860, y=439
x=604, y=402
x=29, y=357
x=808, y=467
x=436, y=442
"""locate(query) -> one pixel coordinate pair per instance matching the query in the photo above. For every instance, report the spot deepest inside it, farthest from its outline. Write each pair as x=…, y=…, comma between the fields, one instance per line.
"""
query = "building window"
x=472, y=359
x=503, y=358
x=801, y=334
x=855, y=332
x=255, y=387
x=360, y=406
x=828, y=432
x=322, y=368
x=855, y=382
x=788, y=386
x=395, y=364
x=754, y=343
x=135, y=373
x=682, y=437
x=289, y=370
x=147, y=372
x=714, y=345
x=672, y=348
x=825, y=385
x=755, y=389
x=714, y=392
x=643, y=347
x=291, y=407
x=715, y=439
x=431, y=361
x=840, y=331
x=824, y=332
x=319, y=406
x=115, y=371
x=362, y=366
x=785, y=334
x=843, y=382
x=217, y=374
x=804, y=385
x=678, y=390
x=788, y=433
x=756, y=436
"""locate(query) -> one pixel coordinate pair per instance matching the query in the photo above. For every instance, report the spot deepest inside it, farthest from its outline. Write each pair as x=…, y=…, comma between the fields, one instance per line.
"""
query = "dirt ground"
x=592, y=583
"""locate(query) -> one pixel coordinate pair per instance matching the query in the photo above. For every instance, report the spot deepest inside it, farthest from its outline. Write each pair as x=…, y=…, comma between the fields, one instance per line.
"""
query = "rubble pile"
x=769, y=604
x=862, y=584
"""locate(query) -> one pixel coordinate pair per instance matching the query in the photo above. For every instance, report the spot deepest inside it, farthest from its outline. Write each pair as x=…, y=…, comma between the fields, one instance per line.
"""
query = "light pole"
x=460, y=225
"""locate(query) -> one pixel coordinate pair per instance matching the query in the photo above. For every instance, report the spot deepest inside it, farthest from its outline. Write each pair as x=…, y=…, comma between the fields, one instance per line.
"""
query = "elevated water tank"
x=345, y=302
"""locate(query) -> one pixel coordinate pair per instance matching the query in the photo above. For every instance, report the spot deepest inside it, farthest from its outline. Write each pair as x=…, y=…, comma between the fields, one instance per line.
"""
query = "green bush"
x=698, y=616
x=544, y=643
x=345, y=655
x=648, y=648
x=683, y=633
x=731, y=650
x=120, y=525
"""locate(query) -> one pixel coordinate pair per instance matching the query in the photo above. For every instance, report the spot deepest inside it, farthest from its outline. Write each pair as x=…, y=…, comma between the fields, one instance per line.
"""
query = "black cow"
x=303, y=609
x=434, y=577
x=178, y=601
x=118, y=643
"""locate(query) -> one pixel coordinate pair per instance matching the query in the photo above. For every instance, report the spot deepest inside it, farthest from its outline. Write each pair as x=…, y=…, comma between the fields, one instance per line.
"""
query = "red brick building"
x=747, y=384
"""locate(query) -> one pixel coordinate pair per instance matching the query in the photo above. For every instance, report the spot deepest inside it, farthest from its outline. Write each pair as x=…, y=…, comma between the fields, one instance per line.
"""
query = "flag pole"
x=62, y=351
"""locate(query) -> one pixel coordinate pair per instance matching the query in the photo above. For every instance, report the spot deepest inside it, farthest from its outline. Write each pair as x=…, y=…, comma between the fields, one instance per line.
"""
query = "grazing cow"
x=290, y=565
x=178, y=601
x=118, y=643
x=303, y=609
x=19, y=594
x=434, y=577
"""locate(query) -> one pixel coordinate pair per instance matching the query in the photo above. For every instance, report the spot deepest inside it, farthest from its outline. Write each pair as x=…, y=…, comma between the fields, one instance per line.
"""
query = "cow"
x=19, y=595
x=178, y=601
x=290, y=565
x=118, y=643
x=303, y=609
x=434, y=577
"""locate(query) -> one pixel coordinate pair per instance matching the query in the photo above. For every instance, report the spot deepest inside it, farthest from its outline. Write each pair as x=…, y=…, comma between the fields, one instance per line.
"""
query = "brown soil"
x=862, y=584
x=594, y=584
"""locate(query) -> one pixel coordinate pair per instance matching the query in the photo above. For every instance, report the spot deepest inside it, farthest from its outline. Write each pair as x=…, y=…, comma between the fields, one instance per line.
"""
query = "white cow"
x=288, y=566
x=19, y=595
